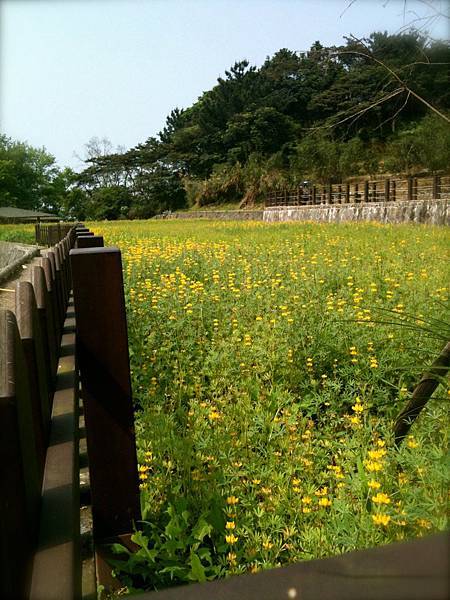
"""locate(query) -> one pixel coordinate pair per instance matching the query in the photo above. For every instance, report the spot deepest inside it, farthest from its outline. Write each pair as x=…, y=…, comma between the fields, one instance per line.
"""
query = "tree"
x=28, y=176
x=326, y=113
x=156, y=191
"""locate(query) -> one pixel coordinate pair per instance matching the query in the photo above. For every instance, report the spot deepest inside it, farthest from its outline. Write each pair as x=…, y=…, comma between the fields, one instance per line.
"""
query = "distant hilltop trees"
x=370, y=106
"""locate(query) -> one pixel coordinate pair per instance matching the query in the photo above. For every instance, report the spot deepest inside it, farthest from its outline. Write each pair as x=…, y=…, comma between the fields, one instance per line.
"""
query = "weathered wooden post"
x=37, y=232
x=366, y=191
x=103, y=359
x=90, y=241
x=347, y=193
x=19, y=473
x=47, y=326
x=387, y=190
x=314, y=195
x=53, y=310
x=56, y=274
x=32, y=343
x=410, y=185
x=436, y=187
x=422, y=393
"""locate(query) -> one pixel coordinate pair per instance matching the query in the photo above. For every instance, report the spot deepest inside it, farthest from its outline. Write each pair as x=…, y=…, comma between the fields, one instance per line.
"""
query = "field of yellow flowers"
x=268, y=364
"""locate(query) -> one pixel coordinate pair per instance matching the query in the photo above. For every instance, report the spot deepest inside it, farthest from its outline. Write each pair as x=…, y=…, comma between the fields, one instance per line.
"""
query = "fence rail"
x=386, y=190
x=64, y=360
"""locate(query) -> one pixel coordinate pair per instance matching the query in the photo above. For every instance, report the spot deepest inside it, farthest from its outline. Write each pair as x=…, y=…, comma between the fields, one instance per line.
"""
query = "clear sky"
x=74, y=69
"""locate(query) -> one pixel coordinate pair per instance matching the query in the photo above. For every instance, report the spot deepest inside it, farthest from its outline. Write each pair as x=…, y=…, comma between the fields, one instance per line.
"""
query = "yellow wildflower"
x=232, y=500
x=411, y=443
x=231, y=539
x=376, y=454
x=381, y=498
x=373, y=465
x=324, y=502
x=381, y=519
x=374, y=485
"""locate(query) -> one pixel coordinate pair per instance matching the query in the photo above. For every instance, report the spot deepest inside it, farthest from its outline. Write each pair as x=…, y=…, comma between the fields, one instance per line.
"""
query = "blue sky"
x=74, y=69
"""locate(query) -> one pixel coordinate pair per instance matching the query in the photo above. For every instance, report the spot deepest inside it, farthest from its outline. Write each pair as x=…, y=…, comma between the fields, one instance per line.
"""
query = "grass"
x=22, y=234
x=214, y=207
x=266, y=389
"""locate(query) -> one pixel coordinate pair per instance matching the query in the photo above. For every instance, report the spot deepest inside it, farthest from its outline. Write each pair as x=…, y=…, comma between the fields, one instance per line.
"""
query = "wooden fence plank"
x=416, y=570
x=56, y=573
x=102, y=353
x=46, y=316
x=32, y=343
x=20, y=489
x=49, y=271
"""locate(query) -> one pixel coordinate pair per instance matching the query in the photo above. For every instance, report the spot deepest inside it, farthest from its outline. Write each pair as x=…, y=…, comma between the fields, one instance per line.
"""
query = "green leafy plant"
x=179, y=549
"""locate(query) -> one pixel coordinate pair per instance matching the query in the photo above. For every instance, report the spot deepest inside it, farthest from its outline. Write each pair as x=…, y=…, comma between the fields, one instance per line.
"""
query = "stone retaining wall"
x=433, y=212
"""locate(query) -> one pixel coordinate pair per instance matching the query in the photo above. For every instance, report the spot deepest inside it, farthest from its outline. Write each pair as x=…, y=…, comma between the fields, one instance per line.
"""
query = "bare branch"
x=349, y=5
x=433, y=108
x=397, y=112
x=362, y=111
x=394, y=74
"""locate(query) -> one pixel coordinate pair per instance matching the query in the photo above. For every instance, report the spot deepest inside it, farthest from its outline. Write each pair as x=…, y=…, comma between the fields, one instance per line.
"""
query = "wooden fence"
x=40, y=433
x=49, y=234
x=65, y=386
x=386, y=190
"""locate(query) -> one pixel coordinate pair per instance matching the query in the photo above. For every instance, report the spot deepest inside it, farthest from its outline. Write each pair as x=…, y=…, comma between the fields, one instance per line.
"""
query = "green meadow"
x=268, y=365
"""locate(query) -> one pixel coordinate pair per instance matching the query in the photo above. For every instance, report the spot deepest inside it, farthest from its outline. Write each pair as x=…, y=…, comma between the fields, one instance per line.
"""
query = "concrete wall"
x=433, y=212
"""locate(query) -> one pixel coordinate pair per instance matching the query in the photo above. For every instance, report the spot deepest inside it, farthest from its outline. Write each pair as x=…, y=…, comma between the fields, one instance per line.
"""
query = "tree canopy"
x=379, y=104
x=328, y=113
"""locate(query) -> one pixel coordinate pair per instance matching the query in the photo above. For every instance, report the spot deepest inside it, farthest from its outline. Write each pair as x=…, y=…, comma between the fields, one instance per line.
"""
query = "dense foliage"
x=30, y=179
x=269, y=362
x=324, y=114
x=369, y=106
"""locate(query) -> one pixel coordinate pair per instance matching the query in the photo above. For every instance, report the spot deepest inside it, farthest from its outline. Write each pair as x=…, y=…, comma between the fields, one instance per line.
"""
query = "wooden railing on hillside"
x=62, y=409
x=386, y=190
